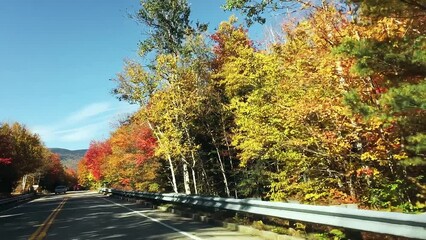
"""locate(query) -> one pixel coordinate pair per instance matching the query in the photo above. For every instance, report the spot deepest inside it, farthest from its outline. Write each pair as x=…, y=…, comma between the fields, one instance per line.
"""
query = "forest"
x=331, y=110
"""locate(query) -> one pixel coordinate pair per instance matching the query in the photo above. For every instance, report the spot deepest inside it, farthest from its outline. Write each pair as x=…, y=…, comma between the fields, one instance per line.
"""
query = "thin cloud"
x=84, y=133
x=91, y=122
x=89, y=111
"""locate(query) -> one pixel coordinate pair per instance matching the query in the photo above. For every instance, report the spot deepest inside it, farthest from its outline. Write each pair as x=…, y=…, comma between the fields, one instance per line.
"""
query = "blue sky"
x=56, y=59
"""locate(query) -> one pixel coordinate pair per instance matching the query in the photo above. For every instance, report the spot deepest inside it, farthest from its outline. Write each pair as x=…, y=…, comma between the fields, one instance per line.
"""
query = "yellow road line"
x=42, y=230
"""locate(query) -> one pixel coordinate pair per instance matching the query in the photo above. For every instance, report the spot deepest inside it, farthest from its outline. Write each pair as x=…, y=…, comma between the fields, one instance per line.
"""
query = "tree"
x=21, y=153
x=169, y=23
x=389, y=60
x=85, y=178
x=96, y=156
x=132, y=164
x=53, y=173
x=254, y=10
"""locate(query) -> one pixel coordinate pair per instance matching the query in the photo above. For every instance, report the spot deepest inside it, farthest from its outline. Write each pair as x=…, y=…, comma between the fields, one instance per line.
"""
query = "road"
x=88, y=215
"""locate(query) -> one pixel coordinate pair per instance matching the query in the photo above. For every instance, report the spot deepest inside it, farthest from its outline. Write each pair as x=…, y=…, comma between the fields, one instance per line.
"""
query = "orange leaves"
x=341, y=198
x=122, y=159
x=366, y=171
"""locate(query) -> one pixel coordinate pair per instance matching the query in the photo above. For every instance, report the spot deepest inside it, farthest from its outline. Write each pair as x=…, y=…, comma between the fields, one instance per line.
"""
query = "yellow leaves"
x=386, y=28
x=400, y=156
x=248, y=70
x=380, y=29
x=374, y=123
x=367, y=156
x=380, y=147
x=167, y=60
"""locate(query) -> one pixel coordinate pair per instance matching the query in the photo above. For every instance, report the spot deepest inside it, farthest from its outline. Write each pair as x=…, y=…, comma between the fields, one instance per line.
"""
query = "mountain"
x=69, y=158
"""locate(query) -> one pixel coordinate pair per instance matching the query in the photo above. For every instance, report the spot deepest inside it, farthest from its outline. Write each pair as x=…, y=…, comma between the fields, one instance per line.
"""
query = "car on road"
x=60, y=189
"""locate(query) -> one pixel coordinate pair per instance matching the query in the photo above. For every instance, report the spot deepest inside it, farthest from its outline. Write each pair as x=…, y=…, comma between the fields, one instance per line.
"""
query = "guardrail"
x=16, y=199
x=398, y=224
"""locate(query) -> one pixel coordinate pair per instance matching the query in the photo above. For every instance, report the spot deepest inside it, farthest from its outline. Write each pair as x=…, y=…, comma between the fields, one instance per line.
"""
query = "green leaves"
x=407, y=97
x=169, y=22
x=353, y=100
x=135, y=84
x=396, y=58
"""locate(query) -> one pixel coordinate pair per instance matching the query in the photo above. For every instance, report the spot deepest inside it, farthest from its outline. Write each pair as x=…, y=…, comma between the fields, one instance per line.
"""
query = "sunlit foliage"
x=332, y=112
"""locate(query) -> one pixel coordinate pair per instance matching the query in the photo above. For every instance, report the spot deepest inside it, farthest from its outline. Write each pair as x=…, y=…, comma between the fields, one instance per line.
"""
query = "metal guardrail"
x=16, y=199
x=397, y=224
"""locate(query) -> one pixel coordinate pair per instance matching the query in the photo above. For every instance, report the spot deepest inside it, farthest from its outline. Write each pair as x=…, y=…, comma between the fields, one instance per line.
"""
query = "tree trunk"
x=222, y=170
x=24, y=182
x=219, y=159
x=204, y=174
x=186, y=178
x=194, y=161
x=194, y=181
x=228, y=146
x=172, y=171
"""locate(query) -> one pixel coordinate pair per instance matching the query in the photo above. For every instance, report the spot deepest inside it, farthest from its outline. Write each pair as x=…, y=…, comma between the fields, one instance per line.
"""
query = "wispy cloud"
x=91, y=122
x=89, y=111
x=86, y=132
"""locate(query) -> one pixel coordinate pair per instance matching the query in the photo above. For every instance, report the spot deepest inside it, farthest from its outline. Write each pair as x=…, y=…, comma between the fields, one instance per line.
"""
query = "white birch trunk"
x=186, y=178
x=24, y=182
x=172, y=171
x=222, y=170
x=194, y=181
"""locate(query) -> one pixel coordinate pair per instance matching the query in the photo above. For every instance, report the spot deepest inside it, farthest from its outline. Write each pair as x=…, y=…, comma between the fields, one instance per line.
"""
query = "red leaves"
x=95, y=157
x=145, y=142
x=5, y=161
x=55, y=167
x=380, y=90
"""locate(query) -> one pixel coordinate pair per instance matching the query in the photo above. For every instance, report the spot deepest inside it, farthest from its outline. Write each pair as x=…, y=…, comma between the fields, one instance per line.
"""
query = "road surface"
x=88, y=215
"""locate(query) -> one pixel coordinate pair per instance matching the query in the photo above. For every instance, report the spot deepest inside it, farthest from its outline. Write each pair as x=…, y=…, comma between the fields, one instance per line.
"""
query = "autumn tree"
x=388, y=55
x=25, y=160
x=131, y=164
x=332, y=112
x=95, y=157
x=53, y=173
x=84, y=176
x=168, y=40
x=21, y=154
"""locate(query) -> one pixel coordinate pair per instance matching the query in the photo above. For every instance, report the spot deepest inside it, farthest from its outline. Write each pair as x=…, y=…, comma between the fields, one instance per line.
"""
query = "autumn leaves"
x=335, y=113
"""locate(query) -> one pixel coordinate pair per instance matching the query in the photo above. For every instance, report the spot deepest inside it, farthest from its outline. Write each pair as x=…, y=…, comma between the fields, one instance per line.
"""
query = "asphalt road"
x=88, y=215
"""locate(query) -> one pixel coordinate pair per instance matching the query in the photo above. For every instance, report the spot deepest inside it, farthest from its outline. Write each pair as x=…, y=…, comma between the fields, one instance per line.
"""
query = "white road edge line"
x=156, y=220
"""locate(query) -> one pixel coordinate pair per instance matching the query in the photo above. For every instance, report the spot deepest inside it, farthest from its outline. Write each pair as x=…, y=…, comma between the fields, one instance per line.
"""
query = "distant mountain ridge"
x=69, y=158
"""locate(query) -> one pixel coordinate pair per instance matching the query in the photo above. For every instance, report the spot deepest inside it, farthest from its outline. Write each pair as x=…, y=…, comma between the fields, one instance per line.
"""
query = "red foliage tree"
x=146, y=143
x=96, y=156
x=55, y=167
